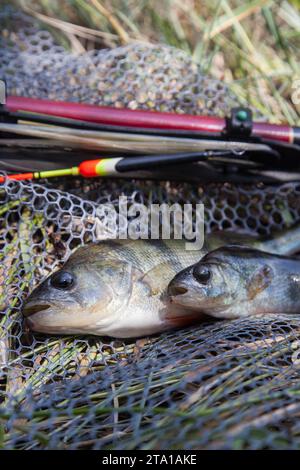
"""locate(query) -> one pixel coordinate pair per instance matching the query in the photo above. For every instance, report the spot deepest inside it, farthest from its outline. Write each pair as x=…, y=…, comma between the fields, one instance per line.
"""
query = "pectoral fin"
x=159, y=277
x=259, y=281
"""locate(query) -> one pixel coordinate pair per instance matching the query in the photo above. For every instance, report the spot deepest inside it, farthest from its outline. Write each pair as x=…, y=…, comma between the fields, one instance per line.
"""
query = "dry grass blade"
x=115, y=23
x=236, y=16
x=70, y=28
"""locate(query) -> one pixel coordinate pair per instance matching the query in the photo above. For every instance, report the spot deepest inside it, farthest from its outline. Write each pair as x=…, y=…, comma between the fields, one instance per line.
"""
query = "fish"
x=111, y=288
x=236, y=281
x=118, y=288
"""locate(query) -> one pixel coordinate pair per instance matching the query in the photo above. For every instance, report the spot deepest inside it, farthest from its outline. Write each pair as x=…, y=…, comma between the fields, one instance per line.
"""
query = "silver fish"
x=111, y=288
x=235, y=281
x=118, y=288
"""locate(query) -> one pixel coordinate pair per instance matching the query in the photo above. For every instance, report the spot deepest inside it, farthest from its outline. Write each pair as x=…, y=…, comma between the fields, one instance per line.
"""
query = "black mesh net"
x=222, y=384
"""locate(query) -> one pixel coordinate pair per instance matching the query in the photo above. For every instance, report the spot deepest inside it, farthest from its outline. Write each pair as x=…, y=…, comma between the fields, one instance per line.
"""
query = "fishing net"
x=222, y=384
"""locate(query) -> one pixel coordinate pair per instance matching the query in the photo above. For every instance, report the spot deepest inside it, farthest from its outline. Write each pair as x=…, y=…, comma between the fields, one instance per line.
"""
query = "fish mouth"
x=184, y=299
x=29, y=309
x=178, y=290
x=178, y=295
x=33, y=325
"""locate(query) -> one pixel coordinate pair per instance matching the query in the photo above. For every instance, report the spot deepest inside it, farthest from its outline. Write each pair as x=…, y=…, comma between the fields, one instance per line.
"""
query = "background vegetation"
x=253, y=45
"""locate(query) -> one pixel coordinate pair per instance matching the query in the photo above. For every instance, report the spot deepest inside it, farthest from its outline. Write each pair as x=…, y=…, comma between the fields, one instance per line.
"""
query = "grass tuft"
x=252, y=45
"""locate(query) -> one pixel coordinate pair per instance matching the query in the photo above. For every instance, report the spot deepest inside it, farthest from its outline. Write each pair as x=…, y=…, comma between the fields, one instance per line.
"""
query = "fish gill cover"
x=232, y=384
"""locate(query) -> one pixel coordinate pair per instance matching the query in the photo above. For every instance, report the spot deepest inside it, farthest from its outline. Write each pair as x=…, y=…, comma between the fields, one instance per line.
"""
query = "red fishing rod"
x=139, y=119
x=78, y=125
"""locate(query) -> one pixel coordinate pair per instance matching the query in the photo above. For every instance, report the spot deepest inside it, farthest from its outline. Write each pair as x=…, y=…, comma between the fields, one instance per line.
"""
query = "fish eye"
x=62, y=280
x=201, y=273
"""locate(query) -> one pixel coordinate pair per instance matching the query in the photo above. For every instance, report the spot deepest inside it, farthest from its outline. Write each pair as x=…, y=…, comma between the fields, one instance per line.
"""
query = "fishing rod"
x=236, y=130
x=95, y=128
x=22, y=117
x=133, y=143
x=239, y=123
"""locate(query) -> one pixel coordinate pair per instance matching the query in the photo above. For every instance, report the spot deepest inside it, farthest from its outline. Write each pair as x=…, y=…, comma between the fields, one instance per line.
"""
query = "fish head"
x=84, y=295
x=222, y=281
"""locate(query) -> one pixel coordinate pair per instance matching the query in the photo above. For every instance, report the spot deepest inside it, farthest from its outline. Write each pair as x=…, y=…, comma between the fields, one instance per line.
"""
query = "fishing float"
x=115, y=166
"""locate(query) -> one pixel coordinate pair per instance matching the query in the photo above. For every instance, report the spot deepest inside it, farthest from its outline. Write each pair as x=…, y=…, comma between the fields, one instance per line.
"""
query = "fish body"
x=118, y=287
x=236, y=281
x=112, y=288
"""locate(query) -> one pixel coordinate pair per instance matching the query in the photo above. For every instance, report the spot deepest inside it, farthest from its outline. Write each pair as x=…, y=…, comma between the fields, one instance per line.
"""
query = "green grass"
x=252, y=45
x=216, y=398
